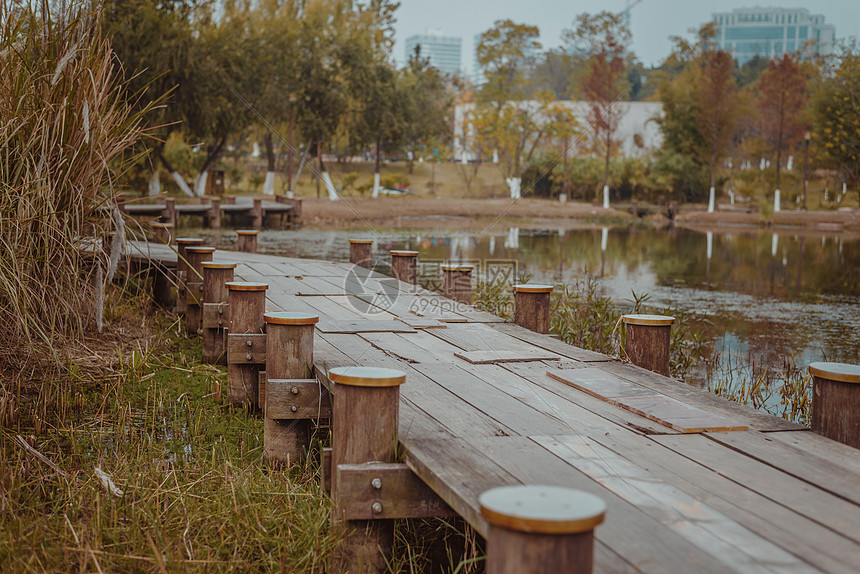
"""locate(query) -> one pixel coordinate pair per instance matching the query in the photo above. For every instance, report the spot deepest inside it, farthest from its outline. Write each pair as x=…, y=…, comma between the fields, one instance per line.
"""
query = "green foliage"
x=395, y=181
x=836, y=114
x=504, y=52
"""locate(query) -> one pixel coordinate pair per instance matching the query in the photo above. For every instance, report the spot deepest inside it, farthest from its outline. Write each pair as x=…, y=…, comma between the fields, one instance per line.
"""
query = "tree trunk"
x=177, y=177
x=213, y=152
x=320, y=160
x=292, y=150
x=375, y=192
x=269, y=184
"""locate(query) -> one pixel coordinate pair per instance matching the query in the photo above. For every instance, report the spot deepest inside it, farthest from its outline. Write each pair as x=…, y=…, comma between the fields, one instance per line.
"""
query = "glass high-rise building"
x=771, y=32
x=442, y=51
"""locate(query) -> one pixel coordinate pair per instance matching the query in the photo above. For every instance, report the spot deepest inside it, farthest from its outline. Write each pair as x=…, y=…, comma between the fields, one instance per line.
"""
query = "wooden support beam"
x=257, y=213
x=540, y=529
x=457, y=282
x=247, y=304
x=531, y=307
x=182, y=244
x=168, y=214
x=379, y=490
x=404, y=266
x=213, y=216
x=648, y=338
x=361, y=252
x=215, y=310
x=246, y=241
x=196, y=256
x=289, y=365
x=325, y=463
x=366, y=407
x=836, y=401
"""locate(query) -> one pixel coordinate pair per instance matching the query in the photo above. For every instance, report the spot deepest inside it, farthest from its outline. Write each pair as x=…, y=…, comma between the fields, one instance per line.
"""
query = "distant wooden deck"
x=773, y=498
x=255, y=212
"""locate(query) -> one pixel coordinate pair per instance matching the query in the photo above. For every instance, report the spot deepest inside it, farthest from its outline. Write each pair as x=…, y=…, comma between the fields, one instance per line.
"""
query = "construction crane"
x=625, y=14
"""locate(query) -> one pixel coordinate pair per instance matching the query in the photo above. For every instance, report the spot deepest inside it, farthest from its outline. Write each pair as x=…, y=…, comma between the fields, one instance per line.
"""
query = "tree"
x=718, y=110
x=503, y=53
x=604, y=37
x=781, y=103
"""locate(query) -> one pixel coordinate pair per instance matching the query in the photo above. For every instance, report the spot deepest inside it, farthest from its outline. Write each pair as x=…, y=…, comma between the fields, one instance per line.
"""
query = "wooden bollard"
x=404, y=266
x=246, y=241
x=213, y=217
x=246, y=343
x=648, y=339
x=183, y=243
x=162, y=233
x=361, y=252
x=215, y=310
x=365, y=417
x=457, y=282
x=195, y=255
x=531, y=307
x=836, y=401
x=257, y=213
x=287, y=398
x=168, y=214
x=540, y=529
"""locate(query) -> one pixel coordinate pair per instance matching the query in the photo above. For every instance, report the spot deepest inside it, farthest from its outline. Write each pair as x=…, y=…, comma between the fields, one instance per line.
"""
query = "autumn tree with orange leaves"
x=781, y=102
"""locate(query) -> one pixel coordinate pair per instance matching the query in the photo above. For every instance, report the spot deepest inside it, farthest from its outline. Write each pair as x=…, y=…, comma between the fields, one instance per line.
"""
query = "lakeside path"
x=772, y=498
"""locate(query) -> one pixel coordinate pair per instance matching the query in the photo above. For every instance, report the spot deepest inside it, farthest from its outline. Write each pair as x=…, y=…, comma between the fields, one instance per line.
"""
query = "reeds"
x=66, y=131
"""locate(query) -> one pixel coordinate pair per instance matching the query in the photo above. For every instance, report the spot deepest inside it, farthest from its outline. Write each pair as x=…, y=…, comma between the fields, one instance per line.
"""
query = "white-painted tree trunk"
x=605, y=197
x=709, y=235
x=514, y=186
x=255, y=150
x=711, y=200
x=492, y=245
x=375, y=192
x=732, y=196
x=495, y=156
x=604, y=238
x=512, y=241
x=844, y=188
x=776, y=205
x=200, y=184
x=774, y=244
x=329, y=185
x=154, y=183
x=269, y=184
x=790, y=163
x=180, y=182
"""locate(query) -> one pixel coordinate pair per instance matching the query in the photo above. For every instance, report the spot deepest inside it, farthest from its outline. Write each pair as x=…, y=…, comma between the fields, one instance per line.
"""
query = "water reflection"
x=759, y=292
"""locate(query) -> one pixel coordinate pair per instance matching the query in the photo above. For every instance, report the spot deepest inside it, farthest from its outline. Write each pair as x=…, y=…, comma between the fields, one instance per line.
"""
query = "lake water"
x=772, y=294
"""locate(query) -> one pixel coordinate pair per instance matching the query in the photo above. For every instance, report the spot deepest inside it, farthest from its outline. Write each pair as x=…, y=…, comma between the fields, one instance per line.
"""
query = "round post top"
x=841, y=372
x=162, y=225
x=361, y=241
x=189, y=240
x=542, y=509
x=366, y=376
x=247, y=231
x=648, y=320
x=403, y=253
x=456, y=267
x=218, y=265
x=198, y=249
x=290, y=318
x=246, y=286
x=531, y=288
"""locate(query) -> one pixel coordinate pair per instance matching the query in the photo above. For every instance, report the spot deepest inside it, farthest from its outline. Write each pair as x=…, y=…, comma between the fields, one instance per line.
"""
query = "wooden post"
x=216, y=310
x=182, y=243
x=214, y=215
x=168, y=214
x=246, y=343
x=648, y=338
x=361, y=252
x=257, y=213
x=246, y=241
x=365, y=413
x=540, y=529
x=836, y=401
x=289, y=355
x=531, y=307
x=195, y=255
x=457, y=282
x=162, y=233
x=404, y=266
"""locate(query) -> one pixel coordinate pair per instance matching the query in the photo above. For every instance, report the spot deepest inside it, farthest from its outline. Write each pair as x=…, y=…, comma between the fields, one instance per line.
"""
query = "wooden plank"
x=729, y=543
x=550, y=344
x=418, y=323
x=290, y=399
x=756, y=420
x=846, y=457
x=636, y=398
x=246, y=348
x=630, y=533
x=812, y=542
x=364, y=326
x=797, y=495
x=399, y=493
x=494, y=357
x=809, y=467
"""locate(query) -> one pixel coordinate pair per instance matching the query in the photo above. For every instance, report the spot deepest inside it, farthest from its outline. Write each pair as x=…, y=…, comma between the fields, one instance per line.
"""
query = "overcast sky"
x=652, y=21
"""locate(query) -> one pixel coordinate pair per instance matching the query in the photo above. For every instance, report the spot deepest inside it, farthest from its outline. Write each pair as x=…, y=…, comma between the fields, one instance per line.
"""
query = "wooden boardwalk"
x=773, y=498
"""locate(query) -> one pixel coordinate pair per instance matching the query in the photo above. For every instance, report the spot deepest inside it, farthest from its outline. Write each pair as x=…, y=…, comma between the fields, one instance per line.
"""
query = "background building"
x=771, y=32
x=442, y=51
